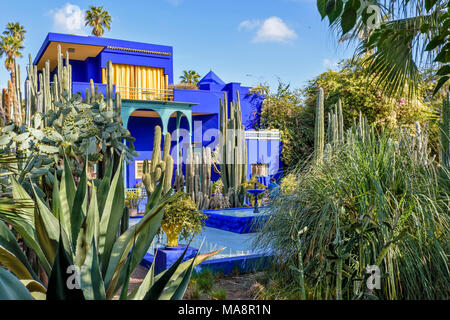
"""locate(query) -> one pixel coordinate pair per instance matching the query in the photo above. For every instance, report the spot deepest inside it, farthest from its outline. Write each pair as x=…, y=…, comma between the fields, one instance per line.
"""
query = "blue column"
x=125, y=115
x=179, y=114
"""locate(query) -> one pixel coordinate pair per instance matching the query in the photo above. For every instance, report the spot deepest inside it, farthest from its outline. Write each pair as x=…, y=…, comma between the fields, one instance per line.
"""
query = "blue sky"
x=247, y=41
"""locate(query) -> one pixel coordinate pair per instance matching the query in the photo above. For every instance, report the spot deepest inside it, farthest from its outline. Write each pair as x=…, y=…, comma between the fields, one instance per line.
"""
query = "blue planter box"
x=167, y=256
x=227, y=266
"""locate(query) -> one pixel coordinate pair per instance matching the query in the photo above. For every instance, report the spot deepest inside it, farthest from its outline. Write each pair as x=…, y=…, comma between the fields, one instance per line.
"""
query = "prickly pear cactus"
x=51, y=123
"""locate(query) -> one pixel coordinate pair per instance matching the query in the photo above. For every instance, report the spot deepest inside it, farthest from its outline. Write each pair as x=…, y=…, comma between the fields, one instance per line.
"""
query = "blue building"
x=143, y=74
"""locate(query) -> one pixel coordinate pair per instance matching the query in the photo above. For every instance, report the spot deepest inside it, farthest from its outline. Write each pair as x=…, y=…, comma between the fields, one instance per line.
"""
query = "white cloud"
x=272, y=29
x=327, y=63
x=249, y=24
x=69, y=18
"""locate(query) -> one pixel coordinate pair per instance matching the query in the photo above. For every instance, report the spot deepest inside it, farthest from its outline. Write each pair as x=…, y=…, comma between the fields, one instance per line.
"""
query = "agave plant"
x=76, y=235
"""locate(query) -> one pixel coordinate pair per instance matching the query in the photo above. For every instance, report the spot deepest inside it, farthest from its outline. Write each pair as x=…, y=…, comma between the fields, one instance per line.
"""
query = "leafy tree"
x=284, y=110
x=292, y=111
x=190, y=76
x=402, y=37
x=99, y=19
x=350, y=85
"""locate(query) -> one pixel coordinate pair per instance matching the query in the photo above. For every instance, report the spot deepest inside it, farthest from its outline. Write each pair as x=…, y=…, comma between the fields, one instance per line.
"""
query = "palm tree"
x=99, y=19
x=14, y=29
x=397, y=38
x=190, y=76
x=10, y=46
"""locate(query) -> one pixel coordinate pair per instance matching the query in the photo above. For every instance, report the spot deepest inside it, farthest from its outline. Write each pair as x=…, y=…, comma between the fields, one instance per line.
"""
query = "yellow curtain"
x=138, y=82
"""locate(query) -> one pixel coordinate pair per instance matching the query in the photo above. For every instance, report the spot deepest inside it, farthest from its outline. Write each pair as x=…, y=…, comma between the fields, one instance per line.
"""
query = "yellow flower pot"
x=172, y=232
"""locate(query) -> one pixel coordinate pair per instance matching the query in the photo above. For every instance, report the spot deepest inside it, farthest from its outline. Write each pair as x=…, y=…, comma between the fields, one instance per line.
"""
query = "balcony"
x=132, y=93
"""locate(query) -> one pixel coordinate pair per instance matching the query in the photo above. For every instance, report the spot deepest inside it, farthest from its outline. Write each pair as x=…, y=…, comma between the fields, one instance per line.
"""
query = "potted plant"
x=132, y=201
x=181, y=220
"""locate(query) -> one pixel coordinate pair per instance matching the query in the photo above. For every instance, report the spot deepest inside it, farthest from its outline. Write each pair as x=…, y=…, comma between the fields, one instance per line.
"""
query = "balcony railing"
x=145, y=94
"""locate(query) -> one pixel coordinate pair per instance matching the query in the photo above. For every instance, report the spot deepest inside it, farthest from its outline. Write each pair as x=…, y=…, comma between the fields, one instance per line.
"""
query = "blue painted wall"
x=91, y=67
x=205, y=112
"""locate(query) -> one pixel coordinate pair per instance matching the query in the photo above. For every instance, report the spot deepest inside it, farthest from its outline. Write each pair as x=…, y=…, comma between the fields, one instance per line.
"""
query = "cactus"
x=3, y=116
x=340, y=122
x=48, y=119
x=179, y=180
x=232, y=150
x=336, y=125
x=17, y=93
x=156, y=168
x=198, y=177
x=319, y=127
x=42, y=95
x=445, y=132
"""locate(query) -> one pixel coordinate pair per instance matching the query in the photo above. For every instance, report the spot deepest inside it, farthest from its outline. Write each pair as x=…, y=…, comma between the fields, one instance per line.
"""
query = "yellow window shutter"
x=132, y=80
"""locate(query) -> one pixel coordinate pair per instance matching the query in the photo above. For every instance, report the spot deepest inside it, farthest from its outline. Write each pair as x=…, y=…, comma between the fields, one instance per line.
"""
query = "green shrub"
x=284, y=110
x=377, y=199
x=193, y=291
x=204, y=280
x=219, y=294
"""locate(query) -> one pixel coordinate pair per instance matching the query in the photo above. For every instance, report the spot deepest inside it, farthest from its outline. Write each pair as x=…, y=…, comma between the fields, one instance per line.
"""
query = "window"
x=138, y=169
x=260, y=169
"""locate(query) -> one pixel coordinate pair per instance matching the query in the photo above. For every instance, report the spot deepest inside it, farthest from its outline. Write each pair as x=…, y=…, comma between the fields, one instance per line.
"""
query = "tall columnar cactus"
x=41, y=94
x=336, y=125
x=156, y=168
x=109, y=87
x=179, y=178
x=232, y=150
x=198, y=177
x=340, y=122
x=17, y=93
x=3, y=116
x=319, y=127
x=445, y=132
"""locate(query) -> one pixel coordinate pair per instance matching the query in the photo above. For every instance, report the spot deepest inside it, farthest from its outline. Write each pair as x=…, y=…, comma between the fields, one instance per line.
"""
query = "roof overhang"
x=76, y=52
x=90, y=46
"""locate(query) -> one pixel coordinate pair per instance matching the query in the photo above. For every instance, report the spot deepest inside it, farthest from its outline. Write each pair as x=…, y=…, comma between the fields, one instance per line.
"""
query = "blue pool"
x=227, y=229
x=242, y=220
x=237, y=212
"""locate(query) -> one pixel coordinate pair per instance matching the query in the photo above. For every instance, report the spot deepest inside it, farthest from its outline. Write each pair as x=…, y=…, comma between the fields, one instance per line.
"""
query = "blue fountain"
x=255, y=192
